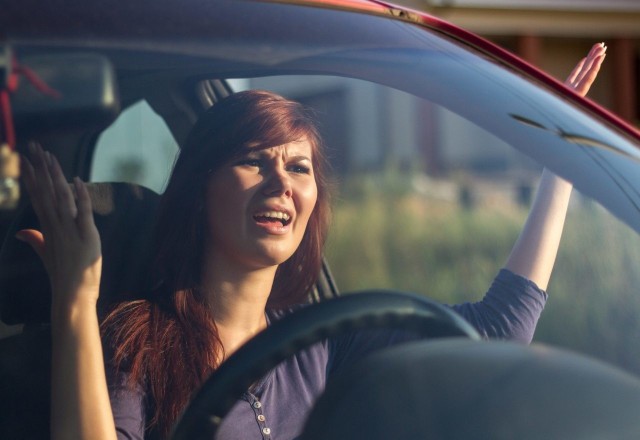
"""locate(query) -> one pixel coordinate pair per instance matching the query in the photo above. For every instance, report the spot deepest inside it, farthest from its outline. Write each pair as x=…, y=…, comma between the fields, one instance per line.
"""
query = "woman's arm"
x=534, y=253
x=69, y=246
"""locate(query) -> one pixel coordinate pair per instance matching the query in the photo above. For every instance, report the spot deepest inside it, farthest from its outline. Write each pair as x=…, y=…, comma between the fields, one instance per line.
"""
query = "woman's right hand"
x=68, y=242
x=586, y=71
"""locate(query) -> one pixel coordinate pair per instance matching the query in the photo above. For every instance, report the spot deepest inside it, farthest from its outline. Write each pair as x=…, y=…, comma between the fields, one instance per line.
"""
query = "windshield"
x=235, y=40
x=437, y=147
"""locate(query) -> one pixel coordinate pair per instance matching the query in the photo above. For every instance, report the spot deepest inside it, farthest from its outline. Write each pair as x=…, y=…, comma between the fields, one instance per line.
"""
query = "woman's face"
x=258, y=205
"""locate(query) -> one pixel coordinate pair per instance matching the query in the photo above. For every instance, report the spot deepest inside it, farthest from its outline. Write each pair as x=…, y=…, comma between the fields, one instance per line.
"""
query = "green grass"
x=595, y=300
x=398, y=239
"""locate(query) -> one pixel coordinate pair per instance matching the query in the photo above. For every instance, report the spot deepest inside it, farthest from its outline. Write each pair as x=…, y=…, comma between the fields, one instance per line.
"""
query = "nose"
x=278, y=184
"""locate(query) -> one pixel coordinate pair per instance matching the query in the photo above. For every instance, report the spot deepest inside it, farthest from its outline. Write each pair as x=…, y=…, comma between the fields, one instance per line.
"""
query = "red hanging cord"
x=35, y=80
x=15, y=70
x=9, y=158
x=7, y=119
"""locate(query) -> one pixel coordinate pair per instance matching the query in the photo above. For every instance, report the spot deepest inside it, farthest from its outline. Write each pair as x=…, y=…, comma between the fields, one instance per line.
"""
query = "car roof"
x=159, y=26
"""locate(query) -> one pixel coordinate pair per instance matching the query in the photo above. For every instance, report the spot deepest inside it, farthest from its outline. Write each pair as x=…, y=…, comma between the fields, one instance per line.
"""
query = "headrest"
x=462, y=389
x=124, y=215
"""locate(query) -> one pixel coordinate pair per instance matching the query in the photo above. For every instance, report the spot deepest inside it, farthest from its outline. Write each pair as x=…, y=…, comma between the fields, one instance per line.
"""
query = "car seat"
x=123, y=214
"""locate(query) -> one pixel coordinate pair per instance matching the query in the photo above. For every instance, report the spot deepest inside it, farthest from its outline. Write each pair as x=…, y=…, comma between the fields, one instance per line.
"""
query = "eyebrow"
x=299, y=158
x=261, y=152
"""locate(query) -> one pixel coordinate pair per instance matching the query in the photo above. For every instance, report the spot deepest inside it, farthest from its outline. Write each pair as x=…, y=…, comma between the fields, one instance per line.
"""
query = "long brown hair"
x=169, y=343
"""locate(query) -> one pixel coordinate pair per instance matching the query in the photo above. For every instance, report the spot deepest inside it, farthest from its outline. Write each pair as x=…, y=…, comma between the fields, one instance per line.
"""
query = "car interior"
x=178, y=83
x=123, y=213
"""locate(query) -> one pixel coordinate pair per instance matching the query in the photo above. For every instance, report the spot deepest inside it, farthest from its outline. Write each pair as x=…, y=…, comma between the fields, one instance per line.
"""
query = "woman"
x=239, y=241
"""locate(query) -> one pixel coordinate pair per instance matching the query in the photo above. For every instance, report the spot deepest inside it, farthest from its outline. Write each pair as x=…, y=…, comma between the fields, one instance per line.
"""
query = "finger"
x=34, y=239
x=28, y=175
x=85, y=212
x=66, y=206
x=31, y=185
x=596, y=51
x=586, y=62
x=599, y=47
x=582, y=88
x=43, y=189
x=574, y=73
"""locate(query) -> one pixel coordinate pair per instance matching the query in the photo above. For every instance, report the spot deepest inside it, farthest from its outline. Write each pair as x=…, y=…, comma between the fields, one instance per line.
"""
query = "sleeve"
x=509, y=310
x=346, y=349
x=127, y=405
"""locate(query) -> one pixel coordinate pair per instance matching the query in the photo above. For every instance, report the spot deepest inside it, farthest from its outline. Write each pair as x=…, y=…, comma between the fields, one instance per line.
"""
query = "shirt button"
x=257, y=405
x=261, y=418
x=266, y=431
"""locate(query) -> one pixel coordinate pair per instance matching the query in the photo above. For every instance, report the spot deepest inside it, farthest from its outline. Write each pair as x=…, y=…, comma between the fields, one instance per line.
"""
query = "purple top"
x=277, y=406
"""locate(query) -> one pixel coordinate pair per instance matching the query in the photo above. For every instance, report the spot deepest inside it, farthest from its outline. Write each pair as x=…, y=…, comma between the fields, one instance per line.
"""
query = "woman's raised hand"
x=68, y=243
x=586, y=71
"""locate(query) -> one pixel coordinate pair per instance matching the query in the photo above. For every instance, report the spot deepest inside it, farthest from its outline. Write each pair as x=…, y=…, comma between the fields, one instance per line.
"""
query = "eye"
x=249, y=162
x=299, y=168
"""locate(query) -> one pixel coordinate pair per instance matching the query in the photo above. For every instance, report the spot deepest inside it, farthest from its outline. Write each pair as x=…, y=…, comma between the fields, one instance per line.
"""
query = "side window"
x=138, y=148
x=430, y=203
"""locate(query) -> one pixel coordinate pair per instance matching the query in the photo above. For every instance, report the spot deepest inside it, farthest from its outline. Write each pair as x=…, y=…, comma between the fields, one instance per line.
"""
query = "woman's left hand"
x=586, y=71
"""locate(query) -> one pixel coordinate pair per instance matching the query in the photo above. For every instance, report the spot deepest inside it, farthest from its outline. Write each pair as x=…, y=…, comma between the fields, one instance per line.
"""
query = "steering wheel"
x=298, y=331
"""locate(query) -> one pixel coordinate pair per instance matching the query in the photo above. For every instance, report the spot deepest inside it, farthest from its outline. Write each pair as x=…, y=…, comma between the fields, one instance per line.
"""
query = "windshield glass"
x=545, y=125
x=437, y=148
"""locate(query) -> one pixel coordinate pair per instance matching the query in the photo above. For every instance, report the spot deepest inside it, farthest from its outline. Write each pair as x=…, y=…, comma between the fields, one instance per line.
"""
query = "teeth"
x=274, y=214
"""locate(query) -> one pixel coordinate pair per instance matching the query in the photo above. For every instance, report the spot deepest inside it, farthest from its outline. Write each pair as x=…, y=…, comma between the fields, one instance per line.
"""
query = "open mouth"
x=273, y=217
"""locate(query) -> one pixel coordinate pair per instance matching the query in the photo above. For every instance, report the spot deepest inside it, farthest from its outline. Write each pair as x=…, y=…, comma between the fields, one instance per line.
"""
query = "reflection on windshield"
x=577, y=139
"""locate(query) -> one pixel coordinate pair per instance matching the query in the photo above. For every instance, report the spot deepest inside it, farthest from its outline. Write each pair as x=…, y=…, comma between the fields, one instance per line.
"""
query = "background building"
x=552, y=34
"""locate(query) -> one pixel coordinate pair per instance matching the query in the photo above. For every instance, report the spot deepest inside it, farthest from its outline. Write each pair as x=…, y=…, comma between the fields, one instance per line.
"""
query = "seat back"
x=123, y=214
x=124, y=217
